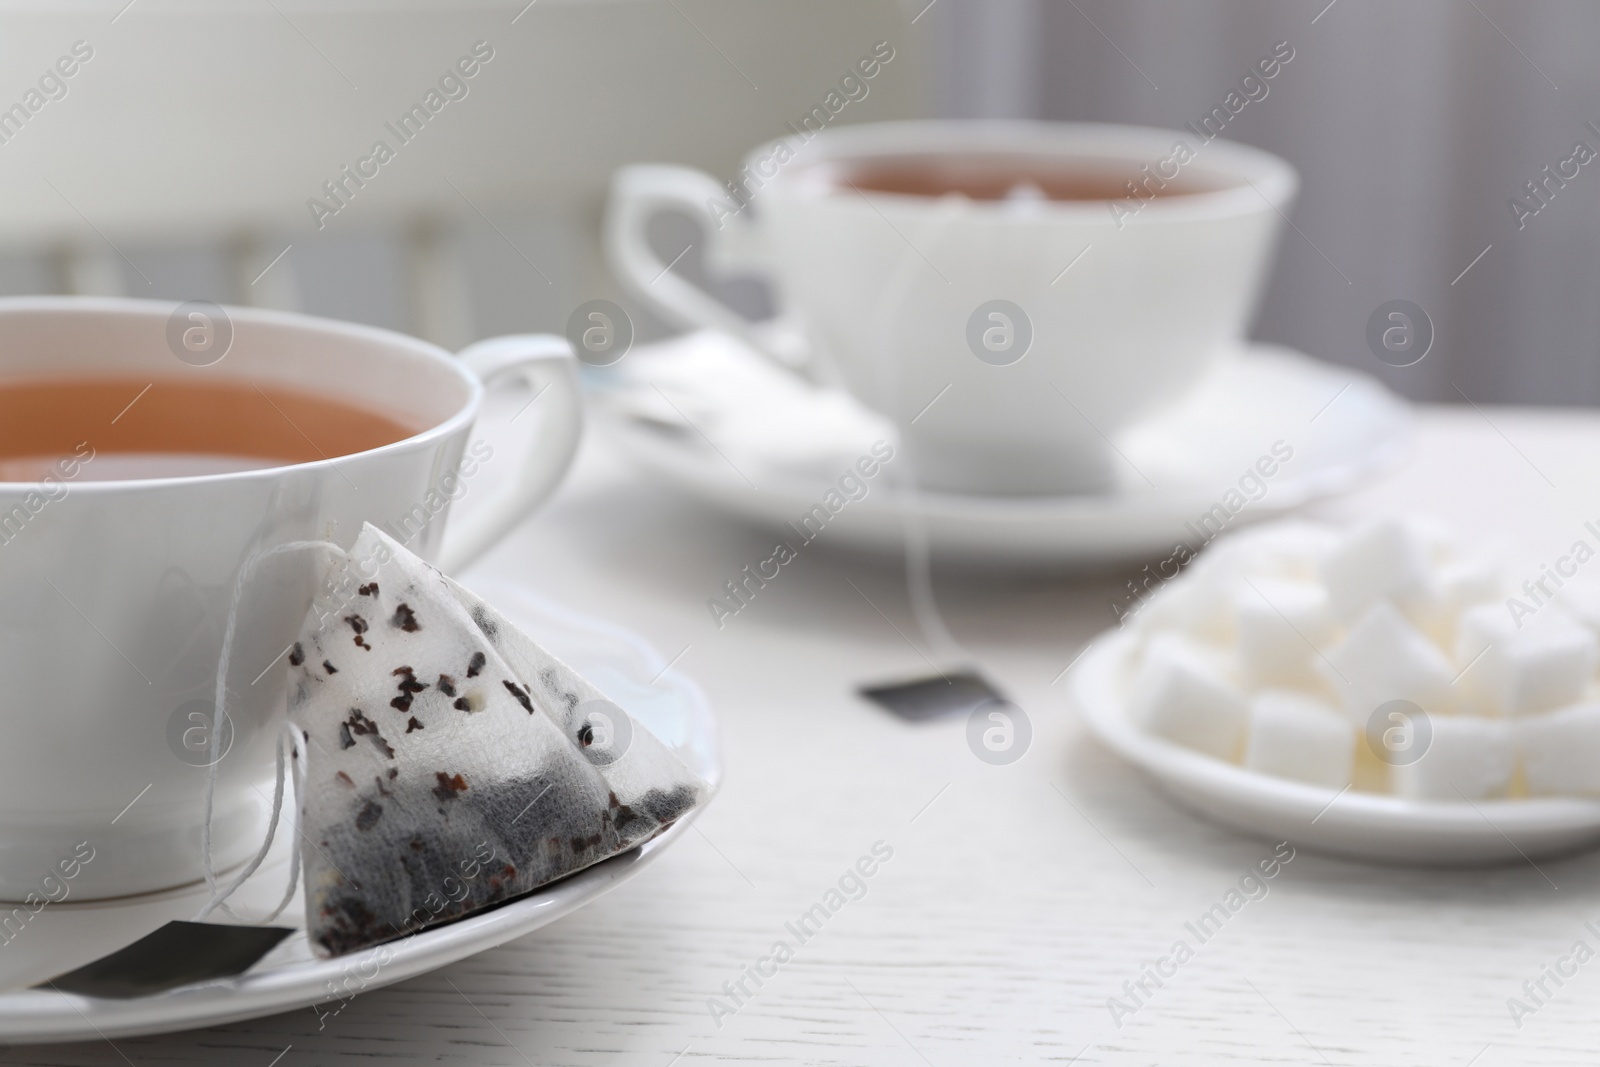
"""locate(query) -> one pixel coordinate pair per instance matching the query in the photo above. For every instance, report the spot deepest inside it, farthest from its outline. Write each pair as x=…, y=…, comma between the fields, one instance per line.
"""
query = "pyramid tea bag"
x=451, y=763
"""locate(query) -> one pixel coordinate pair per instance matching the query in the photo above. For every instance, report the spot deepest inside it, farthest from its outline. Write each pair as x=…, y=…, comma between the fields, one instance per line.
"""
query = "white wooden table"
x=1019, y=898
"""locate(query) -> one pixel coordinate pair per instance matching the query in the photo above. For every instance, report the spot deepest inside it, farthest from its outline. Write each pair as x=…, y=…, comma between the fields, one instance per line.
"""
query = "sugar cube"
x=1382, y=560
x=1519, y=667
x=1295, y=736
x=1280, y=625
x=1453, y=587
x=1464, y=757
x=1182, y=694
x=1383, y=657
x=1561, y=750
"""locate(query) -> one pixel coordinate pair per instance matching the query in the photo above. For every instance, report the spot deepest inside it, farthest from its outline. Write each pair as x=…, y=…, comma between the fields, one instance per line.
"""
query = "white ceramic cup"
x=114, y=594
x=1008, y=340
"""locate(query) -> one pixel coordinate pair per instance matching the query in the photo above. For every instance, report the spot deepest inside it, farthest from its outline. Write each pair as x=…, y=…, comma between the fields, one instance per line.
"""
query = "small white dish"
x=63, y=936
x=1343, y=427
x=1362, y=826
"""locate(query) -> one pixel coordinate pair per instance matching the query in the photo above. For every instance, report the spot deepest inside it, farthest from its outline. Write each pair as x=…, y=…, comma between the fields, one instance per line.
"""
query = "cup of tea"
x=150, y=456
x=1010, y=294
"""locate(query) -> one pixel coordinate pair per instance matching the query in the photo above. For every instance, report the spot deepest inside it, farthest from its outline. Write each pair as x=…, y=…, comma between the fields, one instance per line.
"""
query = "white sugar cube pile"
x=1393, y=657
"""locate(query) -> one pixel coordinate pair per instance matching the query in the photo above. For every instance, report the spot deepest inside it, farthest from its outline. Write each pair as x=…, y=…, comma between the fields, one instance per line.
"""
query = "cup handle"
x=546, y=363
x=638, y=193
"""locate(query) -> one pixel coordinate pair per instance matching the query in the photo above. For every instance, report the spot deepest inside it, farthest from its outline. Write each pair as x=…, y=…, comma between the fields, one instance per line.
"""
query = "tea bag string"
x=914, y=522
x=288, y=746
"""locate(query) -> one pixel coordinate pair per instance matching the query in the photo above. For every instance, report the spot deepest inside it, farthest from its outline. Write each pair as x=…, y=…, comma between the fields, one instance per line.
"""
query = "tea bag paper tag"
x=922, y=699
x=177, y=954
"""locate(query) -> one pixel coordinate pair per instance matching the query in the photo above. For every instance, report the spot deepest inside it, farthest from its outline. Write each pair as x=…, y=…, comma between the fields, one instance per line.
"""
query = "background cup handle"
x=546, y=363
x=638, y=194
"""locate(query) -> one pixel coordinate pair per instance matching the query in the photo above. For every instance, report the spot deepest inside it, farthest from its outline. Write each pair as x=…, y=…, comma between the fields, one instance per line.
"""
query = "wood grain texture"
x=1016, y=902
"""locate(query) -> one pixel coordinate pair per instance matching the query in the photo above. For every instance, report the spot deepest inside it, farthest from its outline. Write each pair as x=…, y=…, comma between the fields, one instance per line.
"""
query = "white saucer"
x=1359, y=825
x=1342, y=425
x=66, y=935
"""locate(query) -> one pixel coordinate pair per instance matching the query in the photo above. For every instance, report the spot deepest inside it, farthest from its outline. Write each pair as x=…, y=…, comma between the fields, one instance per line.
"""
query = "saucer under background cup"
x=1268, y=431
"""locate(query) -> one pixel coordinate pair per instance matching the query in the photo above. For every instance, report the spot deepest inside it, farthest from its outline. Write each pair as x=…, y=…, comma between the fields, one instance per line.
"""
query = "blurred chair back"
x=447, y=160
